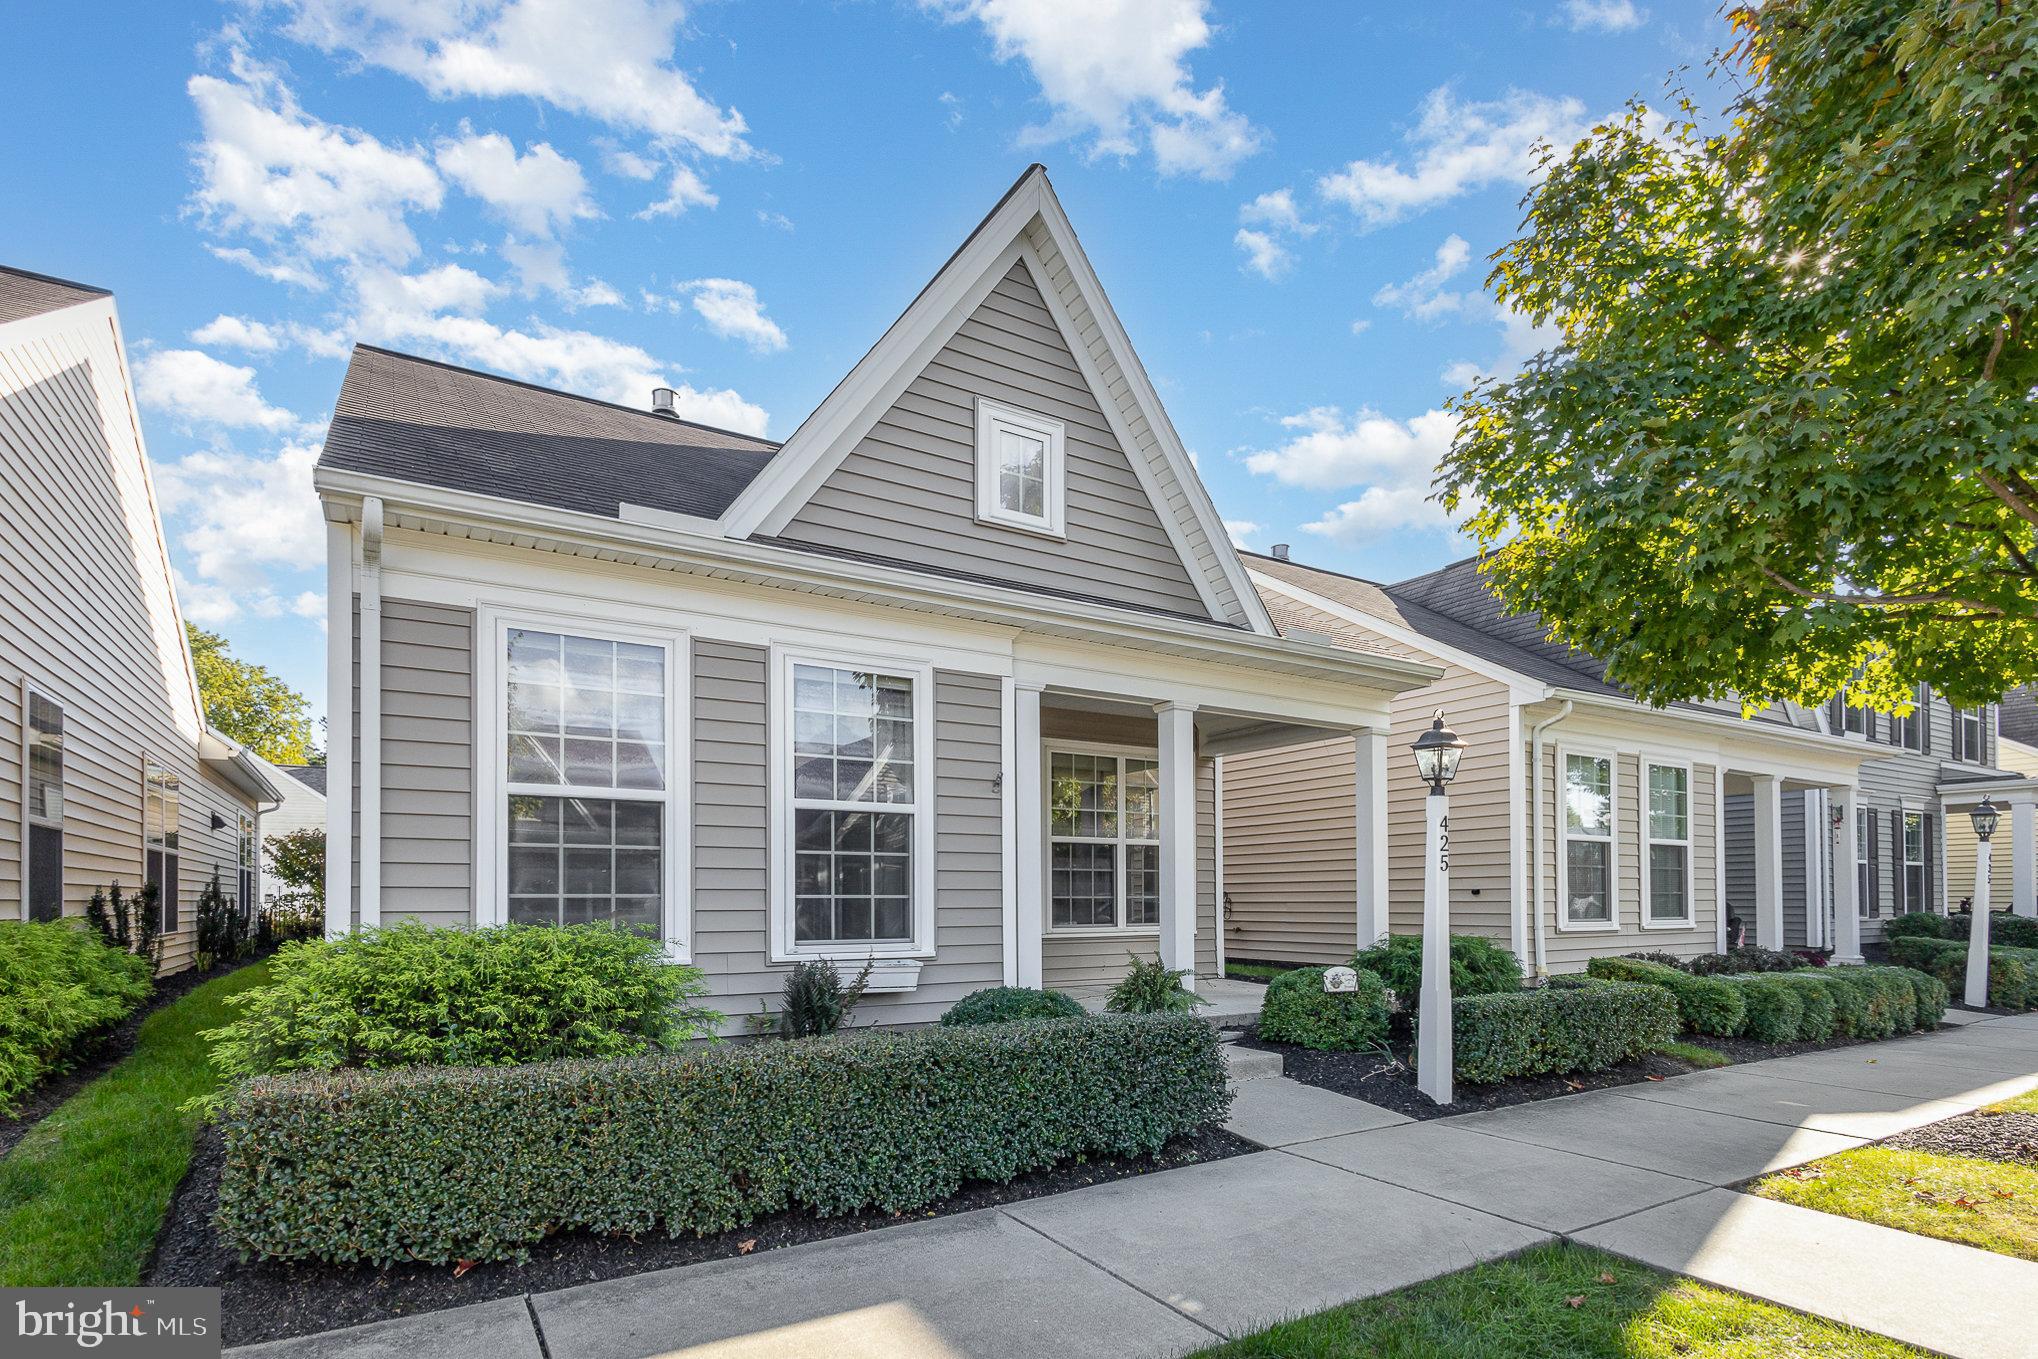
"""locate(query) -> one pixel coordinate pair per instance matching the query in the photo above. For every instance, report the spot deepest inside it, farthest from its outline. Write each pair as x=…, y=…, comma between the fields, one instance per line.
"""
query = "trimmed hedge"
x=1774, y=1010
x=434, y=1165
x=1558, y=1029
x=1848, y=998
x=2005, y=930
x=1706, y=1004
x=1744, y=961
x=2012, y=972
x=1478, y=966
x=1003, y=1004
x=58, y=985
x=1818, y=1011
x=1298, y=1010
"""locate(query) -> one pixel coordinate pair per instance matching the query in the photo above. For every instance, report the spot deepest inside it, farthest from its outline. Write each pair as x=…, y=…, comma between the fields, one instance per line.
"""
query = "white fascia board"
x=412, y=504
x=1834, y=750
x=1520, y=688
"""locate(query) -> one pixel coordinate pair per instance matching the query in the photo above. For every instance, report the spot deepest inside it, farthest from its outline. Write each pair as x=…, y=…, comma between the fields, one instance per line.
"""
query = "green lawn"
x=1560, y=1302
x=1252, y=971
x=1990, y=1204
x=1699, y=1056
x=83, y=1195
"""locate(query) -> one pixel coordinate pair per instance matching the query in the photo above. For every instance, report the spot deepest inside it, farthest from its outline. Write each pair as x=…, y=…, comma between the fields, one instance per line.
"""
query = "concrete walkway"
x=1348, y=1200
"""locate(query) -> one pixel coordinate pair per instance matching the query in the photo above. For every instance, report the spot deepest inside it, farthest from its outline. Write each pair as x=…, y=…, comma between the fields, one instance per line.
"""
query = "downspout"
x=1536, y=828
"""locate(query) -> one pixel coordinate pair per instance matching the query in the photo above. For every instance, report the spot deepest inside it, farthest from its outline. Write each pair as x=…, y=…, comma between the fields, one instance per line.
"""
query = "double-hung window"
x=43, y=892
x=1587, y=825
x=162, y=853
x=1020, y=468
x=246, y=877
x=1668, y=852
x=1970, y=727
x=1864, y=862
x=588, y=779
x=1914, y=863
x=856, y=775
x=1844, y=719
x=1104, y=837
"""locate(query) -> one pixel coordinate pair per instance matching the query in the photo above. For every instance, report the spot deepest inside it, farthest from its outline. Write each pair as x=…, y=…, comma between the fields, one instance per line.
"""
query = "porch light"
x=1437, y=752
x=1985, y=817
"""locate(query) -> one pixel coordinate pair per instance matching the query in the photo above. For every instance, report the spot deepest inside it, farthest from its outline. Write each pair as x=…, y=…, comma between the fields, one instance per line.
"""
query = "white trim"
x=779, y=807
x=339, y=800
x=1611, y=925
x=1719, y=858
x=1121, y=753
x=1008, y=829
x=1518, y=923
x=1520, y=686
x=491, y=823
x=996, y=417
x=1689, y=920
x=1028, y=774
x=368, y=576
x=1217, y=837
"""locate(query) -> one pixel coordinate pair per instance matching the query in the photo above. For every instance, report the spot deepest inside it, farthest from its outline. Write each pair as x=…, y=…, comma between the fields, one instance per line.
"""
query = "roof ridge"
x=555, y=391
x=1310, y=566
x=19, y=272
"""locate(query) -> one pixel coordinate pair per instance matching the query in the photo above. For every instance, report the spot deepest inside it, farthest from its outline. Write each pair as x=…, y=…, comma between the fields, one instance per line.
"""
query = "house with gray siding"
x=938, y=686
x=1582, y=821
x=108, y=772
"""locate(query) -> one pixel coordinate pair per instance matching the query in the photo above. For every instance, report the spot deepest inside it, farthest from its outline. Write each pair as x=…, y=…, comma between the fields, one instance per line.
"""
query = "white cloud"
x=276, y=271
x=450, y=287
x=1114, y=72
x=1608, y=16
x=320, y=344
x=240, y=518
x=1520, y=339
x=1327, y=450
x=238, y=332
x=1361, y=326
x=1277, y=210
x=1424, y=297
x=537, y=192
x=541, y=267
x=1264, y=255
x=1380, y=510
x=1239, y=530
x=687, y=190
x=619, y=160
x=1458, y=147
x=316, y=190
x=953, y=104
x=776, y=220
x=731, y=309
x=198, y=389
x=611, y=60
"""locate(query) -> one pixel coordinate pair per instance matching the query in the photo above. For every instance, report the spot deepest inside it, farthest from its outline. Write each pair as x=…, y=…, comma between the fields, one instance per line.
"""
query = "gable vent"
x=661, y=402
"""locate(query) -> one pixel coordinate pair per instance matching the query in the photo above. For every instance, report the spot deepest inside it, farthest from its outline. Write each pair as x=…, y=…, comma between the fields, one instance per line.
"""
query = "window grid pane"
x=585, y=712
x=853, y=741
x=1667, y=897
x=1669, y=803
x=1588, y=881
x=1104, y=825
x=575, y=861
x=1085, y=886
x=45, y=760
x=1588, y=795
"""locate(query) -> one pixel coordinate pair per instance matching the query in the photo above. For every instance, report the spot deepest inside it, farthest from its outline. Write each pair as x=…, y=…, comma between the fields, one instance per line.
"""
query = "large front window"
x=1104, y=832
x=857, y=785
x=1669, y=852
x=587, y=757
x=44, y=889
x=1588, y=840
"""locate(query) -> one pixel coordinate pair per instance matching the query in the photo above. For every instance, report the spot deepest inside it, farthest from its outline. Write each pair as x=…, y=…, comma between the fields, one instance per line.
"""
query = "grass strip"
x=1698, y=1055
x=1989, y=1204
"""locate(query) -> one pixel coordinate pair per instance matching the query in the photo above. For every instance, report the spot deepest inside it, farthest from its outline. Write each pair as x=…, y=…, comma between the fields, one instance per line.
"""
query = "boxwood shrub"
x=1914, y=925
x=1848, y=998
x=440, y=1164
x=2005, y=930
x=1818, y=1012
x=1298, y=1010
x=1002, y=1004
x=1478, y=966
x=1775, y=1011
x=1559, y=1029
x=2012, y=972
x=59, y=985
x=1706, y=1004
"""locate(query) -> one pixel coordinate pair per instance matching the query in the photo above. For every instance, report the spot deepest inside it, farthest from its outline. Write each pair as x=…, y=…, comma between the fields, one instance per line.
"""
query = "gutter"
x=1536, y=829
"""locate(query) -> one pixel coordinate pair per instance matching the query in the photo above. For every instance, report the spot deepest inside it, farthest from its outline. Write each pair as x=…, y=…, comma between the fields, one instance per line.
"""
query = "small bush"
x=1298, y=1010
x=1003, y=1004
x=1479, y=967
x=2004, y=929
x=1894, y=1000
x=1559, y=1029
x=2012, y=972
x=1775, y=1012
x=1658, y=957
x=1849, y=1001
x=1152, y=988
x=59, y=985
x=223, y=928
x=1915, y=925
x=815, y=1001
x=412, y=996
x=1744, y=961
x=437, y=1165
x=1818, y=1011
x=1706, y=1004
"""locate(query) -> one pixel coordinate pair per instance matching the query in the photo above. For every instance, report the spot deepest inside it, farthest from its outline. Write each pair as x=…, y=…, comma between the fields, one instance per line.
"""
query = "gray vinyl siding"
x=908, y=489
x=1907, y=777
x=732, y=847
x=427, y=763
x=1740, y=830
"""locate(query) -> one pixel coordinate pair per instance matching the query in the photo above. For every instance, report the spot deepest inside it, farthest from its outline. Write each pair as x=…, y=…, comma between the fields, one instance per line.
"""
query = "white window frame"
x=168, y=906
x=784, y=948
x=1611, y=925
x=1864, y=863
x=1118, y=930
x=491, y=857
x=993, y=416
x=30, y=691
x=1847, y=711
x=1689, y=919
x=1922, y=863
x=1978, y=752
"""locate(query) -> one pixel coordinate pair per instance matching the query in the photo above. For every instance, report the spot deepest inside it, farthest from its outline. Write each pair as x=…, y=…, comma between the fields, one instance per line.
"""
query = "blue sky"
x=1289, y=204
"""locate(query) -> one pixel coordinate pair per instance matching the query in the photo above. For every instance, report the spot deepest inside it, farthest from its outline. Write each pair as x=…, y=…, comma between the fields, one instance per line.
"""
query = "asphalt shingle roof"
x=2018, y=716
x=23, y=294
x=420, y=420
x=312, y=776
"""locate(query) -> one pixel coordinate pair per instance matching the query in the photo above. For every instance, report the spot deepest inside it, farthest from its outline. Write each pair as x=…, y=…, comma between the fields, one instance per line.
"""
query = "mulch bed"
x=101, y=1053
x=1387, y=1079
x=267, y=1301
x=1990, y=1137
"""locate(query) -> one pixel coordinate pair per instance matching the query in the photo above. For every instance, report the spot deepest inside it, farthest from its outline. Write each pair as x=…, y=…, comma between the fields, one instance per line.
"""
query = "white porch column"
x=1178, y=836
x=339, y=886
x=1846, y=906
x=2023, y=858
x=1030, y=812
x=371, y=712
x=1768, y=860
x=1369, y=786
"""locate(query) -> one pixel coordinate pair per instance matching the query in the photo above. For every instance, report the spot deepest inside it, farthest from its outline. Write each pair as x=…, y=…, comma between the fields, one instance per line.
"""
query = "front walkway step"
x=1250, y=1064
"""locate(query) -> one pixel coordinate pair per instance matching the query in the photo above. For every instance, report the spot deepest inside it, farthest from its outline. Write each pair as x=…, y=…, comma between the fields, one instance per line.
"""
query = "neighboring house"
x=108, y=773
x=302, y=788
x=939, y=684
x=1582, y=821
x=2013, y=873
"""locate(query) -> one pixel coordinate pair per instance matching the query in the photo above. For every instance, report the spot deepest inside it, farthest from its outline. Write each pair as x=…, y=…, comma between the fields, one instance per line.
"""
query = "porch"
x=2013, y=860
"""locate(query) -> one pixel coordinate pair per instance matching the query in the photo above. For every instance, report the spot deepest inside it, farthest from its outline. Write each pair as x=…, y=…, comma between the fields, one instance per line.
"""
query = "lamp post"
x=1977, y=930
x=1436, y=755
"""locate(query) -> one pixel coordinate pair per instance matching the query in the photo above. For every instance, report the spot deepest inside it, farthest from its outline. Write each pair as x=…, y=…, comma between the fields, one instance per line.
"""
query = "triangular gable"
x=1029, y=227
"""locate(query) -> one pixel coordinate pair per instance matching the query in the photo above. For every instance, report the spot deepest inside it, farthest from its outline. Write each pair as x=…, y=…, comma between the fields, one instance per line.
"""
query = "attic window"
x=1019, y=469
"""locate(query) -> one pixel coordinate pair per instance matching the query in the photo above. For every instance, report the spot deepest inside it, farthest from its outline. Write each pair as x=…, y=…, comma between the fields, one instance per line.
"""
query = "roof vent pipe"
x=1280, y=552
x=661, y=402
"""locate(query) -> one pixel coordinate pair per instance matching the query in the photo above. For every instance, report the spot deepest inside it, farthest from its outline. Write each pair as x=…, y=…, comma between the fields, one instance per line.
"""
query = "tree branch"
x=1975, y=607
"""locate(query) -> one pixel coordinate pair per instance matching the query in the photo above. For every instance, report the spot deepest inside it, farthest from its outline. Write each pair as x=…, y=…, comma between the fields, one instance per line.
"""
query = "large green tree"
x=250, y=704
x=1787, y=436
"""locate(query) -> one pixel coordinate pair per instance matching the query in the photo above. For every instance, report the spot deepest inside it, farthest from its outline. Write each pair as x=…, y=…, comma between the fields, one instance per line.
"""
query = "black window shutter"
x=1896, y=862
x=1874, y=902
x=1924, y=719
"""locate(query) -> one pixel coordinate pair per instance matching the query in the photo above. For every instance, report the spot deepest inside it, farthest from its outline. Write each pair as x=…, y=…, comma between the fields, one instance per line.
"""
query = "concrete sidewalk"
x=1348, y=1201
